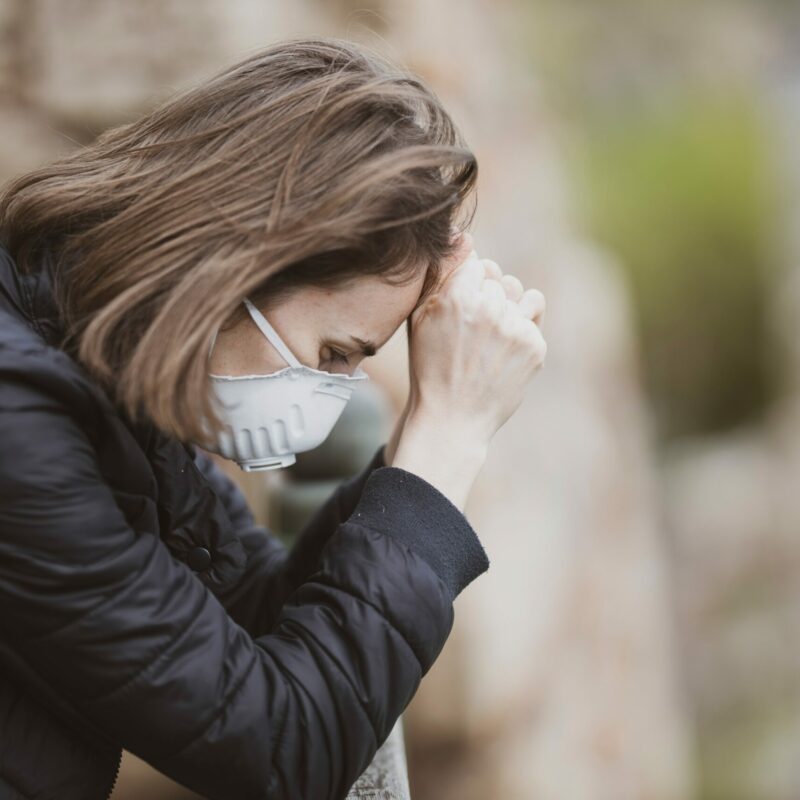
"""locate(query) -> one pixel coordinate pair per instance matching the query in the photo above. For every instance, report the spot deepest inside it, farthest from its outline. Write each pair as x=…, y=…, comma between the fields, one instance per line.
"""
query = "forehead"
x=367, y=306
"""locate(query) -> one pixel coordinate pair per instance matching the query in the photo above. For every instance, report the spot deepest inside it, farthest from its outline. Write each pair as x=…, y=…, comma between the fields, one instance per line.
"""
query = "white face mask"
x=268, y=418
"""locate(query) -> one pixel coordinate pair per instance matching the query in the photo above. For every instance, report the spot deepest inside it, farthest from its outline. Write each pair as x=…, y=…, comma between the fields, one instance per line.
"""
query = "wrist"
x=445, y=455
x=444, y=433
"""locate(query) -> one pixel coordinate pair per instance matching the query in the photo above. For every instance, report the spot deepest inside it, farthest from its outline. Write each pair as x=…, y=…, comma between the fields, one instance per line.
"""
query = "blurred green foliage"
x=740, y=755
x=684, y=192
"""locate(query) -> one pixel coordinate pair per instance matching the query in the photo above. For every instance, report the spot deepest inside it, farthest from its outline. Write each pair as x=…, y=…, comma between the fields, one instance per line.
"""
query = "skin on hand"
x=531, y=305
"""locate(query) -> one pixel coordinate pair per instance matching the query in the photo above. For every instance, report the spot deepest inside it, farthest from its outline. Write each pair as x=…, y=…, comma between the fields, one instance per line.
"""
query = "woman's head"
x=309, y=170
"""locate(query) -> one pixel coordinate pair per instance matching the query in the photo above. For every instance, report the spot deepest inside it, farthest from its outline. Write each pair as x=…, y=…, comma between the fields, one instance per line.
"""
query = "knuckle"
x=495, y=320
x=535, y=297
x=509, y=327
x=492, y=267
x=465, y=298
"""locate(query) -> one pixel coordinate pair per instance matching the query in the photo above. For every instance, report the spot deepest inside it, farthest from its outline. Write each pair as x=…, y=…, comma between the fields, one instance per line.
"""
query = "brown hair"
x=314, y=161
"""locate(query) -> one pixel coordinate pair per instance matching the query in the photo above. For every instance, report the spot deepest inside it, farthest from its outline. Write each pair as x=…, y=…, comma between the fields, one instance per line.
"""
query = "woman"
x=310, y=189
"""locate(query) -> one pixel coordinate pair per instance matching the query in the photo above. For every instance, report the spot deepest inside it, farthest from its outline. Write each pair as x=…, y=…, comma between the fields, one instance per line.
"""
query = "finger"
x=514, y=315
x=494, y=296
x=468, y=276
x=533, y=305
x=513, y=286
x=538, y=345
x=492, y=269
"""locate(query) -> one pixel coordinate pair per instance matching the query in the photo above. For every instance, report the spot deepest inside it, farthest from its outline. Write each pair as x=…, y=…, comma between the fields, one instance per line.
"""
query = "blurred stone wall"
x=732, y=510
x=559, y=680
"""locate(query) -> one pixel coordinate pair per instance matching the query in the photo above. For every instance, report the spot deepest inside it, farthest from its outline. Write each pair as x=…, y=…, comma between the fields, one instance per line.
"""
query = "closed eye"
x=337, y=356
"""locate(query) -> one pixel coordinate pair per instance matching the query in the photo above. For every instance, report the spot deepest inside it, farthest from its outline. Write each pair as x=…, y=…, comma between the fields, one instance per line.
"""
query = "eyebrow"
x=368, y=348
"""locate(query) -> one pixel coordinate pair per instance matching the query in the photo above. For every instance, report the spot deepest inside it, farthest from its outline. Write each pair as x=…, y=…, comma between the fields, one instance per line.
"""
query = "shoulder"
x=36, y=374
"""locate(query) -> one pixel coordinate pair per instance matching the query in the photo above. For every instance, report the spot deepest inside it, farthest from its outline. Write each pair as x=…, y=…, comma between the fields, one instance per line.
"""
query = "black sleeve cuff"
x=404, y=505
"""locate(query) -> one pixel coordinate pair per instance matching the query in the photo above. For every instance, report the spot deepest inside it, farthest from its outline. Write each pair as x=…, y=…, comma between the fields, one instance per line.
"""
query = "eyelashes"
x=336, y=356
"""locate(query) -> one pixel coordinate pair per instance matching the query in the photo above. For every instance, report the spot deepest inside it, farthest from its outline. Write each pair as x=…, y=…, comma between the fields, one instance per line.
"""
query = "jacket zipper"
x=116, y=775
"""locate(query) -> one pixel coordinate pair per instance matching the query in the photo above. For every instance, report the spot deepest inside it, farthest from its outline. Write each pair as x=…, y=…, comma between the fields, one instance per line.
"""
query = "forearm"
x=394, y=440
x=445, y=454
x=320, y=526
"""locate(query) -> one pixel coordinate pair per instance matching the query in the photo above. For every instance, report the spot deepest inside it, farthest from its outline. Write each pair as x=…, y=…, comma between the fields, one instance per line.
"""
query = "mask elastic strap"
x=211, y=348
x=271, y=334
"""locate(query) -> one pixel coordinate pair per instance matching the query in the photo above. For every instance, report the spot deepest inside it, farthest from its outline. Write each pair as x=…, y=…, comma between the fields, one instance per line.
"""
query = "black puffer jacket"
x=141, y=607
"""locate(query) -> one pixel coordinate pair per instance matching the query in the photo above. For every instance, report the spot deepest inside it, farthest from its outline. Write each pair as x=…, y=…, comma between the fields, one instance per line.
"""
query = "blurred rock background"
x=635, y=636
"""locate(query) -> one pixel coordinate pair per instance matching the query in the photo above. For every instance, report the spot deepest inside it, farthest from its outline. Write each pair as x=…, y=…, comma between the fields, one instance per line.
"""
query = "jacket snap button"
x=198, y=558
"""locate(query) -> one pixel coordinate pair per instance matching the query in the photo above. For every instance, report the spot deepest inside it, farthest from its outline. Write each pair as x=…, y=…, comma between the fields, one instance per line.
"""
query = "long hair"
x=311, y=162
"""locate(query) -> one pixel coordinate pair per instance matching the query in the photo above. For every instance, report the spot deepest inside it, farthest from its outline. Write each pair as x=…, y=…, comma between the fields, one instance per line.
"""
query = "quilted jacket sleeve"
x=144, y=651
x=273, y=572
